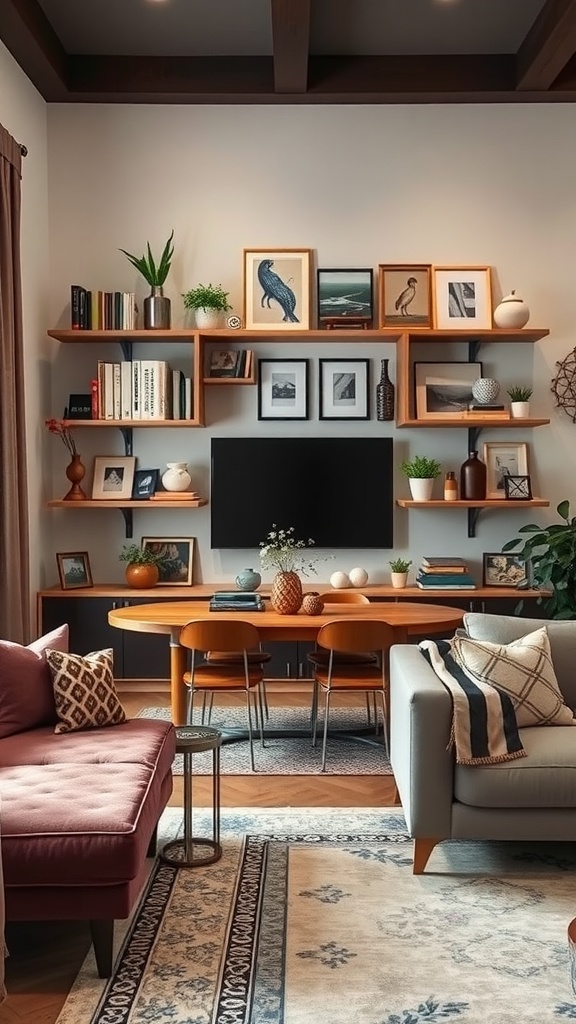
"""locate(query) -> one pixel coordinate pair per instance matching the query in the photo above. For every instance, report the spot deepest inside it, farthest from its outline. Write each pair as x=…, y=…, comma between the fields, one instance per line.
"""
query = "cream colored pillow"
x=523, y=669
x=84, y=691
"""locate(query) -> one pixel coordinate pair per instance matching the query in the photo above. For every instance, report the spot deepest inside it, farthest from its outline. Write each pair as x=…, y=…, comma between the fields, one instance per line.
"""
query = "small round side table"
x=193, y=851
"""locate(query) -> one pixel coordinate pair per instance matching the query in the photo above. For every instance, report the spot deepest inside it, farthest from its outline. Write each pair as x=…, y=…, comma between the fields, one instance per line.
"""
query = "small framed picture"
x=113, y=477
x=177, y=557
x=283, y=389
x=345, y=295
x=79, y=407
x=462, y=298
x=504, y=570
x=344, y=389
x=444, y=389
x=405, y=295
x=145, y=483
x=223, y=363
x=517, y=488
x=277, y=289
x=74, y=569
x=503, y=458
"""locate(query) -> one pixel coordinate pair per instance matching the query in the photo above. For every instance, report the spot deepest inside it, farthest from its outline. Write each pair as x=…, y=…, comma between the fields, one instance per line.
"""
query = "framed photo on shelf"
x=223, y=363
x=345, y=294
x=404, y=295
x=444, y=389
x=177, y=559
x=499, y=570
x=145, y=483
x=74, y=569
x=462, y=298
x=283, y=389
x=503, y=458
x=277, y=289
x=344, y=389
x=517, y=488
x=113, y=477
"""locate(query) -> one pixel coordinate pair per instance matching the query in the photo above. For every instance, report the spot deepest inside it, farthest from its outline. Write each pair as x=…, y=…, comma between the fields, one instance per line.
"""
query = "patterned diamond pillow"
x=523, y=669
x=84, y=690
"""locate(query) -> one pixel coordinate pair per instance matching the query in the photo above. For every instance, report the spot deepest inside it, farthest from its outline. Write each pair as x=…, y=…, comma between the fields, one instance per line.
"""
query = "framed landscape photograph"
x=444, y=389
x=504, y=570
x=177, y=555
x=345, y=294
x=404, y=295
x=277, y=289
x=462, y=298
x=74, y=569
x=503, y=458
x=283, y=389
x=344, y=389
x=113, y=477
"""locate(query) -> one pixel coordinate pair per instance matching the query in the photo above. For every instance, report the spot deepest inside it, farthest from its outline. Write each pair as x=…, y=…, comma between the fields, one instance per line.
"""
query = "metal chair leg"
x=325, y=739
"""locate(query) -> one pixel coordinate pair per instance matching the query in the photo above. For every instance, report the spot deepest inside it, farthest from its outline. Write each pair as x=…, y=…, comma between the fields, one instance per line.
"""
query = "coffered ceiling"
x=295, y=51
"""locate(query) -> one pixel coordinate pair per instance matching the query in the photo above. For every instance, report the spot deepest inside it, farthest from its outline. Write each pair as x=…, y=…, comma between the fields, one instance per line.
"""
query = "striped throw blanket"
x=484, y=729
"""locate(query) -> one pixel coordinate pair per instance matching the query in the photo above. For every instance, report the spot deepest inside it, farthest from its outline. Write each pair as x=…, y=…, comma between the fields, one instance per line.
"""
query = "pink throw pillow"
x=26, y=692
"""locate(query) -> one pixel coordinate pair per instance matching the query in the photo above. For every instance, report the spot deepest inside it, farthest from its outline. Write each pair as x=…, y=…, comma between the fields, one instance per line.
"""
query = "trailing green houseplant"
x=207, y=296
x=551, y=552
x=420, y=467
x=133, y=554
x=152, y=272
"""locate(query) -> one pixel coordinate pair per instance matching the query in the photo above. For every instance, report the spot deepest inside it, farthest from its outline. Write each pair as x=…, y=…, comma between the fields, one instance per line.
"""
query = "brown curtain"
x=14, y=546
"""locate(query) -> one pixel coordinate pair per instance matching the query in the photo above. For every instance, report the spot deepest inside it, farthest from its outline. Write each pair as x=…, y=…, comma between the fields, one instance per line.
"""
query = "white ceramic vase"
x=421, y=488
x=512, y=312
x=399, y=579
x=207, y=319
x=176, y=477
x=520, y=410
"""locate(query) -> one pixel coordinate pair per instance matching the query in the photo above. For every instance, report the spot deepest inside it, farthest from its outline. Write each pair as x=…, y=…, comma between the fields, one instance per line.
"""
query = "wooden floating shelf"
x=229, y=380
x=494, y=503
x=133, y=423
x=476, y=421
x=106, y=503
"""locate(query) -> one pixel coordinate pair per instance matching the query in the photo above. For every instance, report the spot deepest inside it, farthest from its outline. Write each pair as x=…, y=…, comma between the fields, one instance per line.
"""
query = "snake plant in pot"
x=550, y=552
x=156, y=305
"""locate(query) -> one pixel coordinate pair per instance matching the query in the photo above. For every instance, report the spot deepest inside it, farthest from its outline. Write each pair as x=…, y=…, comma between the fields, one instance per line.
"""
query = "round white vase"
x=421, y=488
x=339, y=580
x=207, y=319
x=399, y=579
x=176, y=477
x=512, y=312
x=520, y=410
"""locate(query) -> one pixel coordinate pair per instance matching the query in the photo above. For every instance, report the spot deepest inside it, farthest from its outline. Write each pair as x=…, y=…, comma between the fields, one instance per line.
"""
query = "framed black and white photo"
x=344, y=389
x=113, y=477
x=74, y=569
x=145, y=483
x=176, y=559
x=504, y=570
x=345, y=295
x=462, y=298
x=503, y=458
x=517, y=488
x=404, y=295
x=444, y=389
x=283, y=389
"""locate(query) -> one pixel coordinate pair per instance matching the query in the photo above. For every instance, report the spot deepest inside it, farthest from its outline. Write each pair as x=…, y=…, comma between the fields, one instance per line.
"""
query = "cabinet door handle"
x=288, y=670
x=114, y=606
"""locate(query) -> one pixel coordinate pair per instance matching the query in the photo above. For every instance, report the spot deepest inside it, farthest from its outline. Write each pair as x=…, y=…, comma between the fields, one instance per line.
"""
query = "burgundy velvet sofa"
x=79, y=810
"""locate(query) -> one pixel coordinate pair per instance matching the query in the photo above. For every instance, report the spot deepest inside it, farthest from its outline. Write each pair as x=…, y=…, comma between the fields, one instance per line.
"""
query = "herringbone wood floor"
x=45, y=957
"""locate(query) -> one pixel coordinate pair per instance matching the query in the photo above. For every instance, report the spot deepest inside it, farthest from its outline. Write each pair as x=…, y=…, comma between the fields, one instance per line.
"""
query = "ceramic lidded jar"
x=176, y=477
x=248, y=579
x=512, y=312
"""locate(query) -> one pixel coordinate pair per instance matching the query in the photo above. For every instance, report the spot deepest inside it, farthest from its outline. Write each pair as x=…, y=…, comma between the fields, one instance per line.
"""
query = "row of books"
x=101, y=311
x=231, y=363
x=444, y=573
x=143, y=389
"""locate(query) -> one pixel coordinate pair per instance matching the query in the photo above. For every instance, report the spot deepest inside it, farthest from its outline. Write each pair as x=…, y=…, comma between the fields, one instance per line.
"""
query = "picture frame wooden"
x=344, y=389
x=504, y=570
x=277, y=289
x=345, y=294
x=283, y=389
x=517, y=488
x=74, y=570
x=177, y=571
x=223, y=362
x=444, y=390
x=145, y=484
x=113, y=477
x=503, y=458
x=461, y=298
x=405, y=295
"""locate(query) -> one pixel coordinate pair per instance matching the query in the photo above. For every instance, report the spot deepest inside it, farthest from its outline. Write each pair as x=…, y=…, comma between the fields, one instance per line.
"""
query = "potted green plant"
x=551, y=553
x=421, y=472
x=399, y=569
x=156, y=305
x=208, y=301
x=143, y=565
x=519, y=401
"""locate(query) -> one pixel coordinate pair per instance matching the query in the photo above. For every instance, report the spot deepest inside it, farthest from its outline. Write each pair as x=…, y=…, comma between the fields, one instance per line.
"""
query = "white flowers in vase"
x=281, y=551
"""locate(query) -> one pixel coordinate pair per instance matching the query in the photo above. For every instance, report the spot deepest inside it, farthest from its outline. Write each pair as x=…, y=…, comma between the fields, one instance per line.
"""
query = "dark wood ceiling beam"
x=290, y=44
x=27, y=34
x=548, y=46
x=448, y=75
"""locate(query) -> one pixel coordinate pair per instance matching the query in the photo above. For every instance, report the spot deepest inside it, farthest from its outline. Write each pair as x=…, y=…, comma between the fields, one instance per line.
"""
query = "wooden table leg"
x=177, y=684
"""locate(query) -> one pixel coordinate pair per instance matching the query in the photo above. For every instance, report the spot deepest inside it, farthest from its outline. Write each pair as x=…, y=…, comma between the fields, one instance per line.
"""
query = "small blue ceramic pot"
x=247, y=579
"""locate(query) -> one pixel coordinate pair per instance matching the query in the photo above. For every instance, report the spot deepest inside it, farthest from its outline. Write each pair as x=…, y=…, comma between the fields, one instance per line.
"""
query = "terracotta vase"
x=75, y=471
x=286, y=593
x=142, y=576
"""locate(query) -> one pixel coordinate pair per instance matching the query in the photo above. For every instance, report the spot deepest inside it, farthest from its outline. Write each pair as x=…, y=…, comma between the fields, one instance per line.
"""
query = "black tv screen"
x=337, y=490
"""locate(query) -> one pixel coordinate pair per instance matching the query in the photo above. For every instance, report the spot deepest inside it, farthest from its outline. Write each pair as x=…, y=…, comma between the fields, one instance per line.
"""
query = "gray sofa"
x=531, y=798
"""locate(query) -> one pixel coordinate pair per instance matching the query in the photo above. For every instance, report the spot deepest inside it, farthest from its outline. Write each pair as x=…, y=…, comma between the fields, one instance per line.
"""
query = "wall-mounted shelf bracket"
x=128, y=440
x=128, y=519
x=126, y=347
x=473, y=435
x=473, y=514
x=473, y=349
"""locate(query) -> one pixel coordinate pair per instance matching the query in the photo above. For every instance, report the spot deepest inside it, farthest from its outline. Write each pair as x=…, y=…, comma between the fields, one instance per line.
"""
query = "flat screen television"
x=336, y=490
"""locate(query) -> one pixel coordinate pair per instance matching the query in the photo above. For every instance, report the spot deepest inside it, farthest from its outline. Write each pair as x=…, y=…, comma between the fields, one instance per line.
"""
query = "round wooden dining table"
x=407, y=618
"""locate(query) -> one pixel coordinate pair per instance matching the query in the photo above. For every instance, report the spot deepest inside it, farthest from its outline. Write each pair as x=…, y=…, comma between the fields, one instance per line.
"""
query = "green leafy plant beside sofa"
x=551, y=551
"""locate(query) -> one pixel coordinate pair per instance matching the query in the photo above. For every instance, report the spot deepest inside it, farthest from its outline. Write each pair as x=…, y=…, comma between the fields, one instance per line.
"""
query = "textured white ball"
x=339, y=580
x=358, y=577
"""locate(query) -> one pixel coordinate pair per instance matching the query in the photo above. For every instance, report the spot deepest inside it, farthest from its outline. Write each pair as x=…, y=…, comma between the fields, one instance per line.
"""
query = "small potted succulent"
x=399, y=569
x=156, y=305
x=208, y=301
x=143, y=566
x=421, y=472
x=519, y=402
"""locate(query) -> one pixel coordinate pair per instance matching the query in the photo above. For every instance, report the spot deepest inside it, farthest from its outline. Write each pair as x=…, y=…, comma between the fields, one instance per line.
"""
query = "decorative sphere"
x=485, y=390
x=358, y=577
x=339, y=580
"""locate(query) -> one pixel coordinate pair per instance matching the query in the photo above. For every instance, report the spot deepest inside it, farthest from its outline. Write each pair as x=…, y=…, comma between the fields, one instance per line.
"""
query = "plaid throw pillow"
x=84, y=691
x=523, y=669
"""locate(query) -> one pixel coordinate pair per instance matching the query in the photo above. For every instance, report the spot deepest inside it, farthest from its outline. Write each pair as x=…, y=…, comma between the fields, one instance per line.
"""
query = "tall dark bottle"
x=385, y=395
x=473, y=479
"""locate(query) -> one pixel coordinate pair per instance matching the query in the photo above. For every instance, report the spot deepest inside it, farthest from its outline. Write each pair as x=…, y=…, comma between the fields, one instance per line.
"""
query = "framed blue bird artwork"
x=277, y=285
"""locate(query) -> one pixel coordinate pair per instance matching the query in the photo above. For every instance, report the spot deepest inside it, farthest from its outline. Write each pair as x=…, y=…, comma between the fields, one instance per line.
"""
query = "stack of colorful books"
x=444, y=573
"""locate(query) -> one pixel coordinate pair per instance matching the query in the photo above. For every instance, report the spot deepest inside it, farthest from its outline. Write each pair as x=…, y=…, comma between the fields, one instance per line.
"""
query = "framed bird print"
x=277, y=285
x=405, y=295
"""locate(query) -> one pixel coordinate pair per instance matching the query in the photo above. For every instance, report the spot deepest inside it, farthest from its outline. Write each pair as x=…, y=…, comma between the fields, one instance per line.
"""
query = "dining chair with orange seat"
x=320, y=657
x=225, y=635
x=352, y=636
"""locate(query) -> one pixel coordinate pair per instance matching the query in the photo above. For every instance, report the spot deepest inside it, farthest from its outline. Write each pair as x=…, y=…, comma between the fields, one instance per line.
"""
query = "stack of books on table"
x=444, y=573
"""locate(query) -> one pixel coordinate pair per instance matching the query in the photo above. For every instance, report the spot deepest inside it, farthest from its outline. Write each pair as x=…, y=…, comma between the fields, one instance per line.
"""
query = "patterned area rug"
x=292, y=755
x=315, y=916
